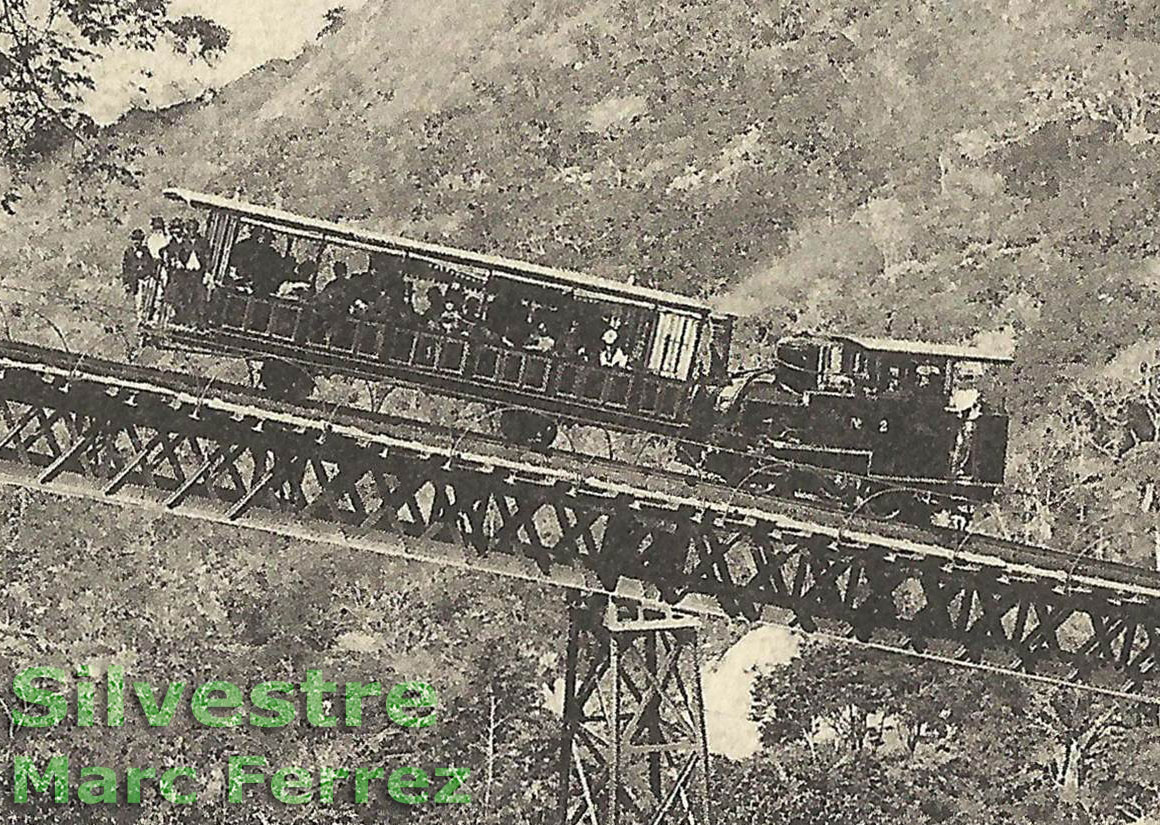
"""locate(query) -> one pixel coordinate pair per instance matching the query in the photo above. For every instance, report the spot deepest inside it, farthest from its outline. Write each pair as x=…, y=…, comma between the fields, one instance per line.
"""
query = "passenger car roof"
x=291, y=223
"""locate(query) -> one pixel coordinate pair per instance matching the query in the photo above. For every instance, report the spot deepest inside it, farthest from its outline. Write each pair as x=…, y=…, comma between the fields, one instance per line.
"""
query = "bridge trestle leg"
x=634, y=748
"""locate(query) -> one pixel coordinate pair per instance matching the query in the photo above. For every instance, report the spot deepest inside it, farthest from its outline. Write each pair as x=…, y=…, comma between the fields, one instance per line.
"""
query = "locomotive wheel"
x=547, y=434
x=284, y=381
x=916, y=511
x=528, y=428
x=886, y=507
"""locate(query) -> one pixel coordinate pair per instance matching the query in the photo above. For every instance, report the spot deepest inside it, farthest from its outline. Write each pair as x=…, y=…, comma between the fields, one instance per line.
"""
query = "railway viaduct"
x=640, y=554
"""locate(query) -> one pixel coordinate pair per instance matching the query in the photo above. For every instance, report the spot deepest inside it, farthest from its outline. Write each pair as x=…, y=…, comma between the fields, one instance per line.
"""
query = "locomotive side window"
x=833, y=363
x=859, y=364
x=966, y=374
x=832, y=376
x=927, y=375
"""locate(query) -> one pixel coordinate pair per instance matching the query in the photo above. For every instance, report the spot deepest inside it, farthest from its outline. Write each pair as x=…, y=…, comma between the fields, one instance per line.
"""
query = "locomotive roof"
x=542, y=274
x=951, y=351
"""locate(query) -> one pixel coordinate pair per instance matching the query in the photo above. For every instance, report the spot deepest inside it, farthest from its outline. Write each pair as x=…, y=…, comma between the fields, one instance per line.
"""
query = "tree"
x=335, y=20
x=48, y=51
x=502, y=728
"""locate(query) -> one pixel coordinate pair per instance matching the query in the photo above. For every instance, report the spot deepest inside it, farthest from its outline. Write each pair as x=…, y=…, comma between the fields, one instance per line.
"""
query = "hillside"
x=892, y=169
x=916, y=169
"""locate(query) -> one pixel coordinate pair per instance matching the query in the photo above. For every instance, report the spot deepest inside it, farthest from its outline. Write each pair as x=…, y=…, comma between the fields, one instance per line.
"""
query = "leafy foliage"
x=335, y=19
x=47, y=54
x=947, y=171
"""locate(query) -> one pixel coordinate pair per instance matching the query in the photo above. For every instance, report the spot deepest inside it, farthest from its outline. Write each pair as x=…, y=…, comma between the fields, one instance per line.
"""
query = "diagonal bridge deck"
x=164, y=440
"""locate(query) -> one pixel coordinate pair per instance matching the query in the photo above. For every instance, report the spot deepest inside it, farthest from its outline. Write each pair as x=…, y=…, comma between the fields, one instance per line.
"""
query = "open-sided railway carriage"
x=895, y=427
x=639, y=378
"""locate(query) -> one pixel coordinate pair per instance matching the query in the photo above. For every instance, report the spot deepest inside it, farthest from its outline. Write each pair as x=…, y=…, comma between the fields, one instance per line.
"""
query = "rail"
x=163, y=440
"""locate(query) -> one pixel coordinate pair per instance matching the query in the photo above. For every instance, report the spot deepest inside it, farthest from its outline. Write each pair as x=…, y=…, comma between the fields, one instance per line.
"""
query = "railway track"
x=223, y=453
x=677, y=486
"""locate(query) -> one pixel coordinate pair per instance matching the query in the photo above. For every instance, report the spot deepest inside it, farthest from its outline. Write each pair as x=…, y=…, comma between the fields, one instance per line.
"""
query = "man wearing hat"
x=135, y=261
x=150, y=280
x=158, y=238
x=138, y=269
x=184, y=270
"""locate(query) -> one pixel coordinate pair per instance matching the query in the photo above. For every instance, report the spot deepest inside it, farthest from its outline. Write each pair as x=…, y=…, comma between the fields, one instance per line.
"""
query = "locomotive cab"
x=935, y=392
x=819, y=364
x=877, y=414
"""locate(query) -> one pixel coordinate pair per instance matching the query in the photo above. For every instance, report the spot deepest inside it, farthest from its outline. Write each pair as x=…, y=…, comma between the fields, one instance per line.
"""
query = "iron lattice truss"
x=634, y=748
x=235, y=458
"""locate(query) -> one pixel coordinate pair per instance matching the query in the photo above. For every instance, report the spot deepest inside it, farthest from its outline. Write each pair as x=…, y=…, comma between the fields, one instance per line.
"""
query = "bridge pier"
x=634, y=749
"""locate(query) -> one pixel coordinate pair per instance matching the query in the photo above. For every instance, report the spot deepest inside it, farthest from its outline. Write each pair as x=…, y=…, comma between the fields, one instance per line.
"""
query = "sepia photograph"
x=545, y=412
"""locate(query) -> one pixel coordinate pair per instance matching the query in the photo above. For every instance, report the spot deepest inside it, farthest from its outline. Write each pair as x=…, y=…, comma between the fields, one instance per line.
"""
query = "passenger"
x=473, y=309
x=501, y=309
x=257, y=263
x=309, y=272
x=541, y=340
x=334, y=299
x=332, y=303
x=485, y=312
x=281, y=268
x=612, y=355
x=337, y=283
x=287, y=271
x=360, y=293
x=456, y=293
x=391, y=290
x=191, y=253
x=158, y=238
x=588, y=334
x=199, y=262
x=555, y=321
x=184, y=271
x=519, y=327
x=244, y=257
x=395, y=299
x=450, y=317
x=432, y=315
x=198, y=241
x=139, y=274
x=567, y=332
x=393, y=306
x=300, y=286
x=136, y=263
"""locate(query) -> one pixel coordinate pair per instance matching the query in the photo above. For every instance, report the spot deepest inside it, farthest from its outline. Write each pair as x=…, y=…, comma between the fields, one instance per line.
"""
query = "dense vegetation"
x=978, y=171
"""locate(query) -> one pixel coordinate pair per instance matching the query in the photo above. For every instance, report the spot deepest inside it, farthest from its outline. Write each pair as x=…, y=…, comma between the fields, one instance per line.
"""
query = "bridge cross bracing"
x=87, y=427
x=155, y=439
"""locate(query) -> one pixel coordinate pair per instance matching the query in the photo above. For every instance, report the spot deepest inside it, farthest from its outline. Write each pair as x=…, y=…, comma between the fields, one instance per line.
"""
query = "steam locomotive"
x=893, y=428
